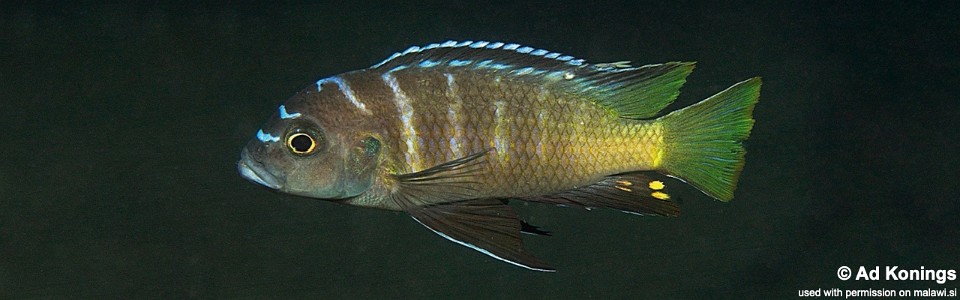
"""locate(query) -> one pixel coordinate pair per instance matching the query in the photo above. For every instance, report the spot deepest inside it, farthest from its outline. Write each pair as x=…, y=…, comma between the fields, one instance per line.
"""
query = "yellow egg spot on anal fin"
x=656, y=185
x=660, y=195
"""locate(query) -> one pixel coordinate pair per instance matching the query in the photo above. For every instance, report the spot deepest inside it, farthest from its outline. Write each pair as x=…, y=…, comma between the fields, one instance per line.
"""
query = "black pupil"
x=301, y=143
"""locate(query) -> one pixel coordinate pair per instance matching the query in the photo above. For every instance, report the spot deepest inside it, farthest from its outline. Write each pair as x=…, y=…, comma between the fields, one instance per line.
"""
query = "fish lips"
x=254, y=171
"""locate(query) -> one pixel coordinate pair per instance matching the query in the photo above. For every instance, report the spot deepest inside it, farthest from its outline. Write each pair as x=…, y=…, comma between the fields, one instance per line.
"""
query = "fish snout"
x=254, y=171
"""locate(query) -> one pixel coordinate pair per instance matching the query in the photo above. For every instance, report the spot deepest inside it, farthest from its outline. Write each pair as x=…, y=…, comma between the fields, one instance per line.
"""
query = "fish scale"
x=584, y=141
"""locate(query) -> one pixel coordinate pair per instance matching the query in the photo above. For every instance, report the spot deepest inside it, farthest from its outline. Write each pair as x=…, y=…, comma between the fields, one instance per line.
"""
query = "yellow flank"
x=642, y=143
x=540, y=141
x=660, y=195
x=656, y=185
x=501, y=132
x=657, y=145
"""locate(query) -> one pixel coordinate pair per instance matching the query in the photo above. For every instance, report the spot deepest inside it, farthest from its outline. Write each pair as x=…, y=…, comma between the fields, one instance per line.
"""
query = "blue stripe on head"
x=266, y=137
x=285, y=115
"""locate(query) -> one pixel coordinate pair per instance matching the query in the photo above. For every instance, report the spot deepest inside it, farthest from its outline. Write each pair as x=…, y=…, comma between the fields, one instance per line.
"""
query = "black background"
x=121, y=125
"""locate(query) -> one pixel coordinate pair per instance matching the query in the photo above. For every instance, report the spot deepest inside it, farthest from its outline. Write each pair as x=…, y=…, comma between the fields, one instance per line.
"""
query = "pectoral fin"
x=485, y=225
x=451, y=181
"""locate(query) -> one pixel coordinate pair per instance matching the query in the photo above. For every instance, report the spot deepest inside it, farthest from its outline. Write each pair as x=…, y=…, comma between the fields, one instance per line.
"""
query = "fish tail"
x=702, y=142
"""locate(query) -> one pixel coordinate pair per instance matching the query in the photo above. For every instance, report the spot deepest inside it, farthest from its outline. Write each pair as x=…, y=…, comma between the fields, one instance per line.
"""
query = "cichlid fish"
x=449, y=132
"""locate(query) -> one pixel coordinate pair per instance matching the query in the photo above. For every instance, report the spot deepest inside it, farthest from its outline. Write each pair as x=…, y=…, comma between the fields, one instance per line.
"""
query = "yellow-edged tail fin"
x=702, y=141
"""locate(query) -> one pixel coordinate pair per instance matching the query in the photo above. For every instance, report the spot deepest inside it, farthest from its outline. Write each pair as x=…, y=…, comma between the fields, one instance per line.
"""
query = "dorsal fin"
x=633, y=92
x=478, y=54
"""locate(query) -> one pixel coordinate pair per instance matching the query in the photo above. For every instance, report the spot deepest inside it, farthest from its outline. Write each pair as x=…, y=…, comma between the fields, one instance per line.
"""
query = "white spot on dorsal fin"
x=428, y=63
x=285, y=115
x=523, y=71
x=459, y=63
x=412, y=49
x=479, y=44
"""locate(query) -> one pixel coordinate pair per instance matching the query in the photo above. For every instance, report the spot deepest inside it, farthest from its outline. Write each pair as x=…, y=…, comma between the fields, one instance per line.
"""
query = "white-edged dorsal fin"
x=479, y=54
x=634, y=92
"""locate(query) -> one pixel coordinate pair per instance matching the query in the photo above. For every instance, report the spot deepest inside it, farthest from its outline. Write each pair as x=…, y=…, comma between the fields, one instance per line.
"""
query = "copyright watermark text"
x=856, y=293
x=895, y=273
x=888, y=274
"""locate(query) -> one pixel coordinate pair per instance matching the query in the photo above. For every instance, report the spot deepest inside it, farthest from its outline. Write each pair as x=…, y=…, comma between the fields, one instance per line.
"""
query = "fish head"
x=312, y=148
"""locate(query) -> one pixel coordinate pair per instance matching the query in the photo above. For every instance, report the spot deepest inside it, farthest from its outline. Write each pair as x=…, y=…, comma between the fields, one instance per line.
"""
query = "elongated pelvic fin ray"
x=485, y=225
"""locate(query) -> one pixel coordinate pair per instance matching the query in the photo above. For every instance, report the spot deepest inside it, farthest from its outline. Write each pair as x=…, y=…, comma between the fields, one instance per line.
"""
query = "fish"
x=451, y=133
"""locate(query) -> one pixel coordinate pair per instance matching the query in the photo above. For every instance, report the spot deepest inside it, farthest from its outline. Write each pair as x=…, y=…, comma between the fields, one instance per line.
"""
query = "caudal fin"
x=702, y=141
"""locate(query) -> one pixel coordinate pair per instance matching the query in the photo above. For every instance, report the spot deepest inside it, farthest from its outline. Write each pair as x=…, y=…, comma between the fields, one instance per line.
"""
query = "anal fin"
x=485, y=225
x=636, y=193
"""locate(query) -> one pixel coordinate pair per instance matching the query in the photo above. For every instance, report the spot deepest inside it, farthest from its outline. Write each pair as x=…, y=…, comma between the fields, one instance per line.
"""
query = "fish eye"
x=301, y=143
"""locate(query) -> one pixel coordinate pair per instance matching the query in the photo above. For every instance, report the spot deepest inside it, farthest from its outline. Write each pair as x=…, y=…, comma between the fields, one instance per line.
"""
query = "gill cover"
x=360, y=167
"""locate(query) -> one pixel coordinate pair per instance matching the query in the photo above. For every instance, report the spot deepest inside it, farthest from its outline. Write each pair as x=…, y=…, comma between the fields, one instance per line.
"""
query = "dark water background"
x=122, y=124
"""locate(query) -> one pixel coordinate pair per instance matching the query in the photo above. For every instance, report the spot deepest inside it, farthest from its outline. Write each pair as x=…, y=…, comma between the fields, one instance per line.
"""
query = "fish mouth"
x=254, y=171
